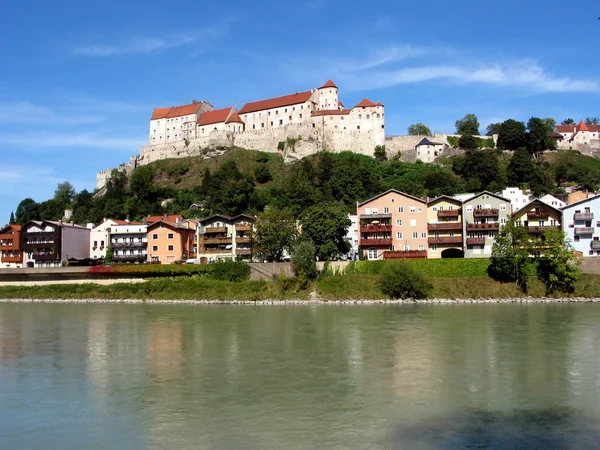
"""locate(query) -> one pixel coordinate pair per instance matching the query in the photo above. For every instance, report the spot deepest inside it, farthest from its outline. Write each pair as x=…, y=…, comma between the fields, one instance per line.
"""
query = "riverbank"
x=353, y=287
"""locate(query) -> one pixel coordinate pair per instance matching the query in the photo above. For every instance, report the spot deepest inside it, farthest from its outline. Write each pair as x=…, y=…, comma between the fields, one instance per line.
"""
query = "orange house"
x=169, y=242
x=10, y=246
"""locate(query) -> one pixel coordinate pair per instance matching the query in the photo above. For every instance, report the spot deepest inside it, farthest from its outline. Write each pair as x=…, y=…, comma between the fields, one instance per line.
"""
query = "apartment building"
x=11, y=255
x=49, y=243
x=169, y=242
x=483, y=216
x=445, y=228
x=581, y=223
x=538, y=216
x=100, y=238
x=393, y=225
x=223, y=237
x=129, y=241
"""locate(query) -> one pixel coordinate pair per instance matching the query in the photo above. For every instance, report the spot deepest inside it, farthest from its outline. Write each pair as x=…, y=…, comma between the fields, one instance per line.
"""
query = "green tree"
x=478, y=167
x=26, y=210
x=12, y=221
x=538, y=138
x=558, y=267
x=141, y=182
x=520, y=168
x=493, y=128
x=568, y=121
x=592, y=120
x=262, y=174
x=399, y=279
x=512, y=135
x=419, y=129
x=468, y=125
x=326, y=226
x=275, y=233
x=468, y=141
x=303, y=262
x=109, y=255
x=64, y=193
x=380, y=153
x=550, y=124
x=511, y=260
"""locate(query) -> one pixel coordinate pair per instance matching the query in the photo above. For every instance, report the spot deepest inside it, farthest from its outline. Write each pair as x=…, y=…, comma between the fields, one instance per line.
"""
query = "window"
x=434, y=209
x=502, y=207
x=413, y=222
x=386, y=210
x=101, y=244
x=420, y=210
x=421, y=247
x=95, y=244
x=358, y=127
x=372, y=253
x=301, y=116
x=155, y=248
x=423, y=235
x=413, y=209
x=398, y=235
x=170, y=248
x=375, y=210
x=262, y=125
x=367, y=210
x=398, y=223
x=280, y=121
x=401, y=209
x=271, y=123
x=433, y=247
x=415, y=235
x=170, y=236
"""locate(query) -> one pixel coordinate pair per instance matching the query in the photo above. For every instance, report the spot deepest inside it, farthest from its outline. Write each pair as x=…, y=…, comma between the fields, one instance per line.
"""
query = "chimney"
x=195, y=102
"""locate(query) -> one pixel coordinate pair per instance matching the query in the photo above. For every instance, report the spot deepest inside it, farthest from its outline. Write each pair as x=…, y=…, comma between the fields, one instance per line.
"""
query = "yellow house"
x=444, y=228
x=538, y=217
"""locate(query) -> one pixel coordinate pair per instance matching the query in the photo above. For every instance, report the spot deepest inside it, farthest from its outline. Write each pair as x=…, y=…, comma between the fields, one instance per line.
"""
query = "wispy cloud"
x=91, y=140
x=22, y=112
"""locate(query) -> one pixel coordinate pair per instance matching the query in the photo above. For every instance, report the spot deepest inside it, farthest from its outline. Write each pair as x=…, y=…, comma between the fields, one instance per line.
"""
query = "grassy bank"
x=339, y=287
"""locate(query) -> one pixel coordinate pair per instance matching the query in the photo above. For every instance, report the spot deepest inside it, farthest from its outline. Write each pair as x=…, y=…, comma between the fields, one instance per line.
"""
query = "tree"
x=109, y=255
x=558, y=267
x=399, y=279
x=26, y=210
x=262, y=174
x=326, y=226
x=512, y=135
x=468, y=125
x=550, y=124
x=493, y=128
x=303, y=262
x=568, y=121
x=141, y=182
x=275, y=233
x=380, y=154
x=419, y=129
x=468, y=141
x=538, y=136
x=511, y=261
x=520, y=168
x=592, y=120
x=64, y=193
x=478, y=167
x=12, y=221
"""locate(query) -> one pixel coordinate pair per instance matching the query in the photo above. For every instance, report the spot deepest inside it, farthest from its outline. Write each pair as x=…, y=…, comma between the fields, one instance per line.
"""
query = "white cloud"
x=65, y=139
x=25, y=112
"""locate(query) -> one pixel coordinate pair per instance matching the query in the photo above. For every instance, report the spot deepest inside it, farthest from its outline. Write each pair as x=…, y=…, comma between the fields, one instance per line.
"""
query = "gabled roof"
x=536, y=200
x=330, y=112
x=244, y=216
x=580, y=202
x=565, y=128
x=216, y=216
x=340, y=104
x=488, y=193
x=12, y=227
x=175, y=111
x=394, y=191
x=216, y=116
x=445, y=197
x=171, y=218
x=175, y=226
x=365, y=103
x=329, y=84
x=426, y=141
x=234, y=118
x=378, y=104
x=285, y=100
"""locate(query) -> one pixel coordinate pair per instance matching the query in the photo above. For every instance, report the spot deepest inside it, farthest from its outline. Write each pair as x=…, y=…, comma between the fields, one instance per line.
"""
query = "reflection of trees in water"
x=549, y=429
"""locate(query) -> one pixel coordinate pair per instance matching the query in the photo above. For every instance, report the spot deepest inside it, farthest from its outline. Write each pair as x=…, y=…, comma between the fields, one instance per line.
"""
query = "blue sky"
x=79, y=78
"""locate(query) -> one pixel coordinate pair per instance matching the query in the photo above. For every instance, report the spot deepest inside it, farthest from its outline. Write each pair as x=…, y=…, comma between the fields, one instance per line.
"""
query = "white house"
x=517, y=197
x=129, y=241
x=99, y=238
x=427, y=150
x=581, y=223
x=352, y=236
x=551, y=200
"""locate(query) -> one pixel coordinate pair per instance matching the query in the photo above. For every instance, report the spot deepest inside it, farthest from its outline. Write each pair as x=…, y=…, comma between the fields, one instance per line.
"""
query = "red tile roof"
x=14, y=228
x=235, y=117
x=216, y=116
x=167, y=218
x=328, y=85
x=175, y=111
x=378, y=104
x=365, y=103
x=286, y=100
x=565, y=128
x=331, y=112
x=340, y=104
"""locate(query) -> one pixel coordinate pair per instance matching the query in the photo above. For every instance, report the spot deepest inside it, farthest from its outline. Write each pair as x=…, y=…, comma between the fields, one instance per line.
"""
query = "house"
x=175, y=218
x=537, y=216
x=574, y=136
x=176, y=123
x=129, y=241
x=99, y=238
x=427, y=150
x=517, y=197
x=393, y=225
x=483, y=216
x=11, y=255
x=352, y=236
x=577, y=196
x=169, y=242
x=553, y=201
x=581, y=223
x=224, y=237
x=445, y=228
x=49, y=243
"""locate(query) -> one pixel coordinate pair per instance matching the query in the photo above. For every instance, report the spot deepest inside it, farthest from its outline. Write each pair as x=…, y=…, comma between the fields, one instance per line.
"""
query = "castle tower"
x=328, y=96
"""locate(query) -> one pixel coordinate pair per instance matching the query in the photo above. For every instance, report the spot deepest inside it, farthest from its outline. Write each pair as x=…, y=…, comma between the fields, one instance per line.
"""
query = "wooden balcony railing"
x=242, y=239
x=12, y=259
x=48, y=257
x=534, y=215
x=224, y=251
x=444, y=226
x=488, y=212
x=244, y=252
x=244, y=227
x=375, y=242
x=448, y=212
x=445, y=240
x=540, y=230
x=212, y=230
x=475, y=241
x=375, y=228
x=493, y=226
x=405, y=254
x=220, y=240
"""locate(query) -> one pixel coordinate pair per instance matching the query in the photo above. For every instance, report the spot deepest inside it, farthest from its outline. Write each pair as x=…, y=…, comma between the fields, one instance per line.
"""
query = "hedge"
x=435, y=268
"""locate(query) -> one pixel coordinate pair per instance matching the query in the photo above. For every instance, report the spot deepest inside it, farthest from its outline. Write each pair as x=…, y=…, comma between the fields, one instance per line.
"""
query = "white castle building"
x=579, y=137
x=313, y=120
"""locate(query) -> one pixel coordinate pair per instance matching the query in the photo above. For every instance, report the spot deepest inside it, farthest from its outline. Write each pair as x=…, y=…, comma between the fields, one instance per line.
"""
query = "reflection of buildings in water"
x=10, y=341
x=164, y=350
x=97, y=349
x=583, y=363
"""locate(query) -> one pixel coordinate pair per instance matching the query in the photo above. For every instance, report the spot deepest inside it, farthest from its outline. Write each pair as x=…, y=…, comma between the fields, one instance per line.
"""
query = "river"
x=118, y=376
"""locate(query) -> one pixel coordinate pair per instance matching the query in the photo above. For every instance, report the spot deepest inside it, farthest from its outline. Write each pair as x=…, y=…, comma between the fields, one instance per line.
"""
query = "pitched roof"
x=565, y=128
x=175, y=111
x=234, y=118
x=521, y=210
x=330, y=112
x=216, y=116
x=426, y=141
x=215, y=216
x=328, y=85
x=13, y=227
x=171, y=218
x=387, y=192
x=445, y=197
x=580, y=202
x=488, y=193
x=285, y=100
x=340, y=104
x=177, y=226
x=365, y=102
x=378, y=104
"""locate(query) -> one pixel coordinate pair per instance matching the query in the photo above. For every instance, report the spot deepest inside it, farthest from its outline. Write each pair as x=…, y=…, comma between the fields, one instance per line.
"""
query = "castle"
x=302, y=123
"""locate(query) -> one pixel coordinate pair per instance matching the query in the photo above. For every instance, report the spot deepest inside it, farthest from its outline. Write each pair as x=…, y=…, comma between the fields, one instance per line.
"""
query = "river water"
x=115, y=376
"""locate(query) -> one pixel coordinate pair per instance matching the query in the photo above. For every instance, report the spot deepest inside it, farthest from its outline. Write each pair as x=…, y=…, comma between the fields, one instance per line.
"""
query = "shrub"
x=303, y=262
x=400, y=279
x=231, y=271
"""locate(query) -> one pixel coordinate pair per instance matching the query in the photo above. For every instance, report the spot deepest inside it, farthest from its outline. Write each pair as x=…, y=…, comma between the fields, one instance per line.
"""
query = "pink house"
x=393, y=225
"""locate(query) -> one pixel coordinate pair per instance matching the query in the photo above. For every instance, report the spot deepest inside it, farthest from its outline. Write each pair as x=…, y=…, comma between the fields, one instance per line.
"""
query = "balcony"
x=129, y=244
x=48, y=257
x=375, y=216
x=476, y=241
x=445, y=240
x=375, y=242
x=218, y=240
x=444, y=226
x=130, y=258
x=488, y=212
x=535, y=215
x=375, y=228
x=12, y=259
x=223, y=251
x=244, y=227
x=448, y=212
x=583, y=216
x=584, y=231
x=9, y=241
x=493, y=226
x=405, y=254
x=213, y=230
x=242, y=239
x=244, y=252
x=540, y=230
x=595, y=245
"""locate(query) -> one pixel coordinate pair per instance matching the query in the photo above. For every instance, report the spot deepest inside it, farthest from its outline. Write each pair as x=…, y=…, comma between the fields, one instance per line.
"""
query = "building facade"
x=169, y=242
x=445, y=228
x=393, y=225
x=581, y=223
x=537, y=216
x=578, y=136
x=100, y=238
x=427, y=150
x=483, y=216
x=517, y=197
x=352, y=237
x=222, y=237
x=11, y=255
x=50, y=244
x=129, y=241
